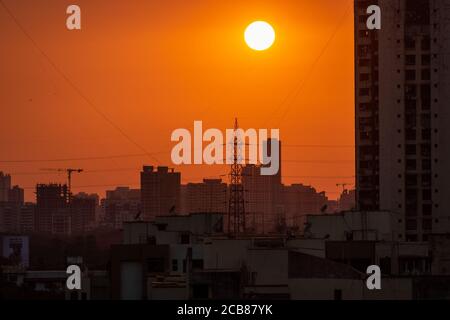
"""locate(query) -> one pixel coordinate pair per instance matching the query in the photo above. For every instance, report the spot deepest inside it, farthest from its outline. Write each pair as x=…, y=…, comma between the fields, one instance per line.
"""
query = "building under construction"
x=52, y=209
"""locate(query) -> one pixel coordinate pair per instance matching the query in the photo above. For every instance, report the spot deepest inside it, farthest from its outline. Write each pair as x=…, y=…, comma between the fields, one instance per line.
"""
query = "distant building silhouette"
x=52, y=209
x=160, y=192
x=346, y=200
x=83, y=209
x=122, y=204
x=16, y=194
x=17, y=217
x=210, y=196
x=5, y=185
x=263, y=197
x=300, y=200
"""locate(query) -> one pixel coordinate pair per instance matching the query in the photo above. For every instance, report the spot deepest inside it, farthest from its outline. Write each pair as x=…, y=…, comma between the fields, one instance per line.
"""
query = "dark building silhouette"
x=52, y=209
x=122, y=204
x=16, y=194
x=210, y=196
x=263, y=197
x=5, y=185
x=300, y=200
x=83, y=208
x=160, y=191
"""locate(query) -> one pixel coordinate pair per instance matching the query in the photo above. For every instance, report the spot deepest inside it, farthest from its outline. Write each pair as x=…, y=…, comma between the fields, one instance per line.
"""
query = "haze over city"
x=104, y=96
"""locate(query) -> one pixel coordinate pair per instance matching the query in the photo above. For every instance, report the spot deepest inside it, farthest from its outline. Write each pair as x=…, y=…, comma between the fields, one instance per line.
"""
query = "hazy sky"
x=154, y=66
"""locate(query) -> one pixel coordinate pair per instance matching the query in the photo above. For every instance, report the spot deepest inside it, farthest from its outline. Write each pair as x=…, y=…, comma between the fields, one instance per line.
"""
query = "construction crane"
x=69, y=172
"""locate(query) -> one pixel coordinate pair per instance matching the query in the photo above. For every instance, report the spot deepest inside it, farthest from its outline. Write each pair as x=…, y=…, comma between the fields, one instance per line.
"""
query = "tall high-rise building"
x=160, y=192
x=207, y=197
x=402, y=81
x=5, y=185
x=263, y=196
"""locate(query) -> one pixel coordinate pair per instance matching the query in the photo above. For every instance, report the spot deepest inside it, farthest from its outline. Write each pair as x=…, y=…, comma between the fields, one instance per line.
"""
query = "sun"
x=259, y=35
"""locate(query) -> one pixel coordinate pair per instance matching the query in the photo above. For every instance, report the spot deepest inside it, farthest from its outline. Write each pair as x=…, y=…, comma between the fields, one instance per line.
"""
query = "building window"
x=174, y=265
x=426, y=134
x=426, y=195
x=364, y=62
x=410, y=105
x=425, y=120
x=411, y=149
x=417, y=12
x=411, y=210
x=410, y=75
x=411, y=180
x=364, y=77
x=411, y=164
x=410, y=60
x=411, y=238
x=426, y=180
x=426, y=224
x=425, y=150
x=426, y=75
x=410, y=91
x=411, y=224
x=411, y=135
x=410, y=43
x=426, y=44
x=426, y=165
x=364, y=92
x=364, y=106
x=411, y=120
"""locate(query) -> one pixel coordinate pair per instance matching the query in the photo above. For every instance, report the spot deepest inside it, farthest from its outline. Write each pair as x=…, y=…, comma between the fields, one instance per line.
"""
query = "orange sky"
x=154, y=66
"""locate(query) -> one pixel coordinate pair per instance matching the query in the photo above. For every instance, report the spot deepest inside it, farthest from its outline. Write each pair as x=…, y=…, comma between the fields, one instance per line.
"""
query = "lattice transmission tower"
x=236, y=204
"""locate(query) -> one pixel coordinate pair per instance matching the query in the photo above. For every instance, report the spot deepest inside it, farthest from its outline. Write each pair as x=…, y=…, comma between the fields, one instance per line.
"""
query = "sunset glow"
x=259, y=35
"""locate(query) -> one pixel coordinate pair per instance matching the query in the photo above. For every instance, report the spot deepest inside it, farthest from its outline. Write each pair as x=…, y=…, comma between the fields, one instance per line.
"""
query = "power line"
x=73, y=86
x=303, y=82
x=81, y=158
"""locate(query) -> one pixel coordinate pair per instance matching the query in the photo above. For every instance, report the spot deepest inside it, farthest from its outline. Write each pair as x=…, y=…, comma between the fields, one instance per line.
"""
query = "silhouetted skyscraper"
x=160, y=192
x=263, y=197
